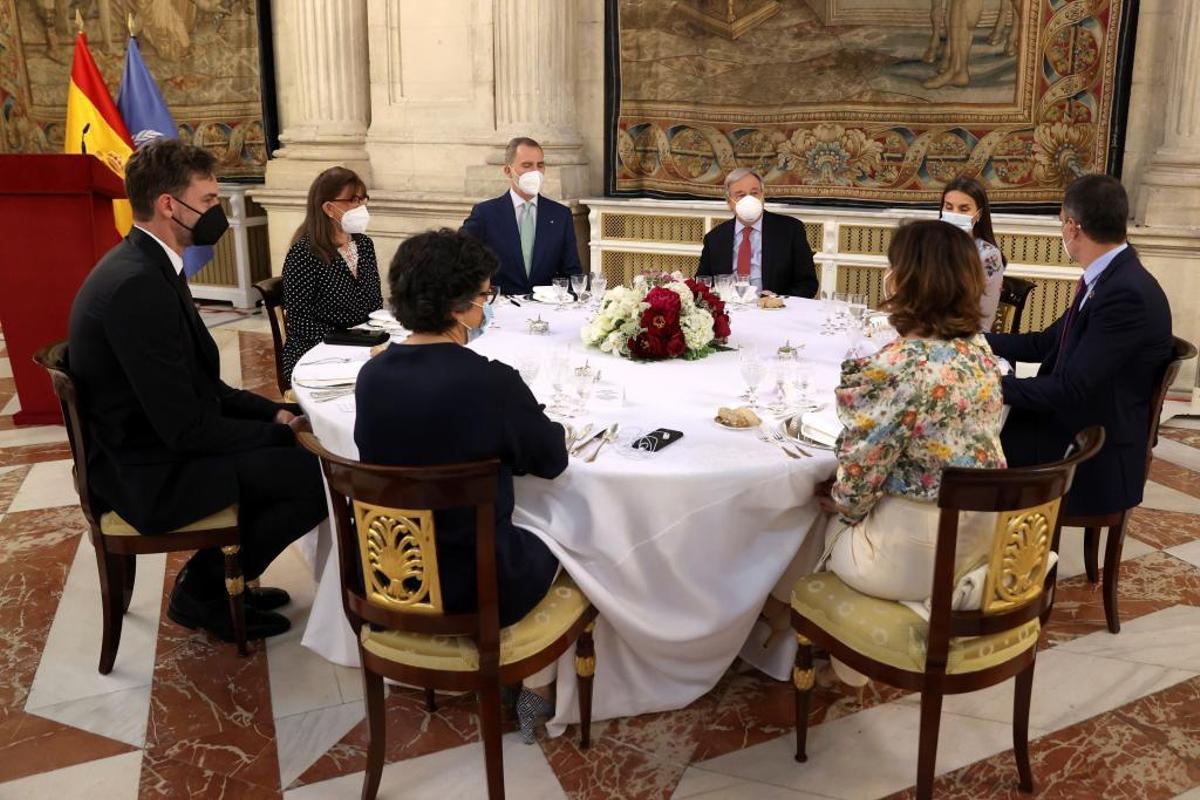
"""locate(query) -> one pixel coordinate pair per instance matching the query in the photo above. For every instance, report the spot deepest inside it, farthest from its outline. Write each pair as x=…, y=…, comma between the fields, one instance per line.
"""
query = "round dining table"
x=677, y=549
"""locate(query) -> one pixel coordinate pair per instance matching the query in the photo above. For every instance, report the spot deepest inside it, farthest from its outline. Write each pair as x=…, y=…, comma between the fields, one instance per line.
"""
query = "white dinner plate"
x=382, y=315
x=720, y=424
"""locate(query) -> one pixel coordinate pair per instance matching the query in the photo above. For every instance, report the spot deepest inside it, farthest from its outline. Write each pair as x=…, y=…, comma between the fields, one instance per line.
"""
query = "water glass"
x=529, y=364
x=724, y=285
x=599, y=287
x=753, y=371
x=707, y=280
x=747, y=292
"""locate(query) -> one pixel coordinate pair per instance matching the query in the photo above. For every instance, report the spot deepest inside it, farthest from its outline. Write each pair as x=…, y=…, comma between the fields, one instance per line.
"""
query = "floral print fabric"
x=911, y=410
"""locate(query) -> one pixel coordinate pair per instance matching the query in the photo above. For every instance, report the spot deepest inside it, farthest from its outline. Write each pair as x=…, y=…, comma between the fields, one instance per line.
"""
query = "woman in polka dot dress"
x=330, y=276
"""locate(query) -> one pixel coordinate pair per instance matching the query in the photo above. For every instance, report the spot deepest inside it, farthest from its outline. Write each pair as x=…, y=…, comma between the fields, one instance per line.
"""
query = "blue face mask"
x=475, y=333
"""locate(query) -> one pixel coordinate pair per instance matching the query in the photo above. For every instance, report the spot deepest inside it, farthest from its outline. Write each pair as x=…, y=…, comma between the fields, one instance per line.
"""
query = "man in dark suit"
x=770, y=249
x=533, y=235
x=170, y=442
x=1100, y=362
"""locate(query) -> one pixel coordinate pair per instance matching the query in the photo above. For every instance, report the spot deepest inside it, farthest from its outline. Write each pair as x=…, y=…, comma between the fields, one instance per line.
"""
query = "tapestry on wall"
x=868, y=101
x=205, y=55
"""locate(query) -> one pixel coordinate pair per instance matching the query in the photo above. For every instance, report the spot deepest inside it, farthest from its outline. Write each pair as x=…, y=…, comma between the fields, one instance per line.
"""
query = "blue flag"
x=147, y=118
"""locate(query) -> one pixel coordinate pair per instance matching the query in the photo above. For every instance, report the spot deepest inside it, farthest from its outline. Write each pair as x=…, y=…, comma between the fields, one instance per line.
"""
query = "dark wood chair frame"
x=116, y=556
x=962, y=489
x=1014, y=292
x=1116, y=522
x=271, y=291
x=437, y=488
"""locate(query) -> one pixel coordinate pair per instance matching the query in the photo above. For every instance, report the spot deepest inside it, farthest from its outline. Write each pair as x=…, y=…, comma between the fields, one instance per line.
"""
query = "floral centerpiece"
x=670, y=317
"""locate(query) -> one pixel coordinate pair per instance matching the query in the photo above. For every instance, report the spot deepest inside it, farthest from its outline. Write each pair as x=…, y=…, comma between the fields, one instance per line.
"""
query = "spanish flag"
x=94, y=125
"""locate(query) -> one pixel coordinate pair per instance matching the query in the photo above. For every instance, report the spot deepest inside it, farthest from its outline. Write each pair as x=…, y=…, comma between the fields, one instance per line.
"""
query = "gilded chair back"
x=53, y=359
x=271, y=291
x=383, y=518
x=1014, y=292
x=1026, y=502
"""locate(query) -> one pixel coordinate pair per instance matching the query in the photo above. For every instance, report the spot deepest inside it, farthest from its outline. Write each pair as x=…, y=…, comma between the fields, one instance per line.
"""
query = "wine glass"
x=582, y=381
x=707, y=280
x=599, y=287
x=753, y=371
x=578, y=285
x=725, y=286
x=747, y=292
x=529, y=364
x=560, y=379
x=858, y=307
x=562, y=291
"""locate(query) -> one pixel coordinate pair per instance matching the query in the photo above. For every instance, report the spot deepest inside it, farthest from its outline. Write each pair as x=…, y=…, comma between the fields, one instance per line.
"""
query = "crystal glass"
x=582, y=382
x=707, y=280
x=753, y=371
x=747, y=292
x=599, y=287
x=579, y=285
x=561, y=375
x=562, y=291
x=529, y=364
x=796, y=388
x=724, y=285
x=858, y=307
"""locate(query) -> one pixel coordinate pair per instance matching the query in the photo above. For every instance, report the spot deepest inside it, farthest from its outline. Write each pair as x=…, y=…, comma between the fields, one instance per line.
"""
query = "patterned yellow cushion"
x=551, y=618
x=111, y=523
x=889, y=632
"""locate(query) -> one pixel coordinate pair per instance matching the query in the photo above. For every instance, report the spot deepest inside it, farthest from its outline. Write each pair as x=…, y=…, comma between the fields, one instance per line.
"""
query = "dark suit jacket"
x=787, y=260
x=1113, y=358
x=555, y=255
x=439, y=404
x=163, y=427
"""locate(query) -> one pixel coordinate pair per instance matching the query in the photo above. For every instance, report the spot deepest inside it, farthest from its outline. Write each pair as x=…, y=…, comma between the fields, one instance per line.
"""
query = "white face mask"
x=748, y=209
x=965, y=222
x=355, y=220
x=531, y=182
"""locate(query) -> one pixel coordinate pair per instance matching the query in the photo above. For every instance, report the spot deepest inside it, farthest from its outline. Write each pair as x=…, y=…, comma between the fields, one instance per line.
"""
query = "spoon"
x=608, y=436
x=582, y=440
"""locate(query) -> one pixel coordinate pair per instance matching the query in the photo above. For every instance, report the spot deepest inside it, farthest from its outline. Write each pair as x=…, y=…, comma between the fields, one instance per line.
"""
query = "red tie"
x=1071, y=313
x=743, y=264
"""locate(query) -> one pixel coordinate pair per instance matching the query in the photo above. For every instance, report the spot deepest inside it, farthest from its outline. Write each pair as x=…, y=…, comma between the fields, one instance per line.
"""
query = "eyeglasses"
x=491, y=294
x=357, y=199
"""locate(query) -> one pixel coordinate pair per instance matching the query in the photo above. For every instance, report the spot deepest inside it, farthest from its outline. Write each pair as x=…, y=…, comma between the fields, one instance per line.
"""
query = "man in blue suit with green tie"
x=533, y=235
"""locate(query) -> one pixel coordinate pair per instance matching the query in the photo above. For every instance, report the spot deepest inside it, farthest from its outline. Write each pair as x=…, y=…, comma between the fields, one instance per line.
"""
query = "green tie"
x=528, y=224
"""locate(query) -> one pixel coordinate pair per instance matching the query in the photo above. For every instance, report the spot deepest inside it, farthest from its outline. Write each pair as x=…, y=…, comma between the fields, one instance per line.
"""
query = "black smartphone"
x=657, y=440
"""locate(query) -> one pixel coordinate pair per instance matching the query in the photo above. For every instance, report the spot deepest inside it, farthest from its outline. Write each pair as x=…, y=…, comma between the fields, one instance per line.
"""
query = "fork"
x=768, y=439
x=783, y=441
x=330, y=360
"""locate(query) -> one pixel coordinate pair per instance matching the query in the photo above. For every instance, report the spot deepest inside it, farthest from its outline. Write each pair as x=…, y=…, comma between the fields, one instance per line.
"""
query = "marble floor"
x=184, y=716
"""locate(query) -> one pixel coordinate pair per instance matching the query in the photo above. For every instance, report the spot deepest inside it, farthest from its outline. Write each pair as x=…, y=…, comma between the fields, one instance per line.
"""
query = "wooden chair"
x=383, y=518
x=1013, y=294
x=956, y=651
x=1116, y=521
x=118, y=544
x=271, y=290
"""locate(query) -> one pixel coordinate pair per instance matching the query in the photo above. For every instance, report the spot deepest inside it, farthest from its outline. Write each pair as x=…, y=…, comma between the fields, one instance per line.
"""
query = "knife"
x=579, y=447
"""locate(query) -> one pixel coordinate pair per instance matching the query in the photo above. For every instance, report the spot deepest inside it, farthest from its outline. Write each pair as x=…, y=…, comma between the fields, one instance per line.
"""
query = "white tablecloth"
x=677, y=549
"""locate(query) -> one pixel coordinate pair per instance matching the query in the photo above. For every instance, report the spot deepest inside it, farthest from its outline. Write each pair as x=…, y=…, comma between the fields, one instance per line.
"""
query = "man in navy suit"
x=533, y=235
x=1100, y=362
x=771, y=250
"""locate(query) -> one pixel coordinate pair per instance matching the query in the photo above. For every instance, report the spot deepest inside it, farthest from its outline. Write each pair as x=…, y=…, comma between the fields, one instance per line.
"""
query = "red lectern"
x=56, y=220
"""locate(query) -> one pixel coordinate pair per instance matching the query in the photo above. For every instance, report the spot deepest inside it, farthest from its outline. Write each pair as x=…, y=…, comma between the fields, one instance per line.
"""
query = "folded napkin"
x=968, y=592
x=328, y=374
x=545, y=293
x=821, y=426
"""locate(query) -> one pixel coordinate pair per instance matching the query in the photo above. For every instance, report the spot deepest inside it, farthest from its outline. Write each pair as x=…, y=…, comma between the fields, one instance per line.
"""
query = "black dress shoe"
x=214, y=617
x=266, y=598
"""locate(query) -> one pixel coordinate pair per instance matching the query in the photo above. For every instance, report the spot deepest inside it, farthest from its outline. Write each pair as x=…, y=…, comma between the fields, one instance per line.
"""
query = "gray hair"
x=510, y=152
x=739, y=173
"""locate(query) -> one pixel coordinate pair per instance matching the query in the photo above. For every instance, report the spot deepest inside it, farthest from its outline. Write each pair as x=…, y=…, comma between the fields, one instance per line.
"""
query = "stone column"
x=535, y=85
x=329, y=56
x=1170, y=190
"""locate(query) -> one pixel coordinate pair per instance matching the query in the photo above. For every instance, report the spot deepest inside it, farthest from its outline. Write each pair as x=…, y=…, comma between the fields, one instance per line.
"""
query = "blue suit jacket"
x=1113, y=359
x=555, y=255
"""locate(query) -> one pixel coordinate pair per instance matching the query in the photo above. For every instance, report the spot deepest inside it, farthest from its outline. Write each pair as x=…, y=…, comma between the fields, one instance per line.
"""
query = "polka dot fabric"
x=321, y=297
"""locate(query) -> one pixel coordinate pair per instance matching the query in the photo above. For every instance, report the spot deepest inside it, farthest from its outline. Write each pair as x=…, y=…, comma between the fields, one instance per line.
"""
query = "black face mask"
x=209, y=228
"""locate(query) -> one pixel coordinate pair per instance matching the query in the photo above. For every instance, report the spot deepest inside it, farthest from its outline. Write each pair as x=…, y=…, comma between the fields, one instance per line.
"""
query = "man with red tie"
x=770, y=250
x=1100, y=362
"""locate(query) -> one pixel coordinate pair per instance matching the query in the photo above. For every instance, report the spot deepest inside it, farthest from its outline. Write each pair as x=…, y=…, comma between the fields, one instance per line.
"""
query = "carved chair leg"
x=235, y=585
x=1112, y=567
x=489, y=718
x=377, y=731
x=802, y=680
x=1022, y=693
x=585, y=670
x=1091, y=553
x=430, y=700
x=111, y=594
x=931, y=718
x=128, y=573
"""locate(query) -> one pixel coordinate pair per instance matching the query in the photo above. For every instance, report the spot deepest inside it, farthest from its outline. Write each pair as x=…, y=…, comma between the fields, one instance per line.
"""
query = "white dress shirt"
x=176, y=259
x=755, y=249
x=1095, y=269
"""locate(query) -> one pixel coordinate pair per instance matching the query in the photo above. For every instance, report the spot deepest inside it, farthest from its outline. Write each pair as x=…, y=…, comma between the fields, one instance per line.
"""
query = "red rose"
x=657, y=322
x=647, y=346
x=676, y=345
x=721, y=326
x=663, y=300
